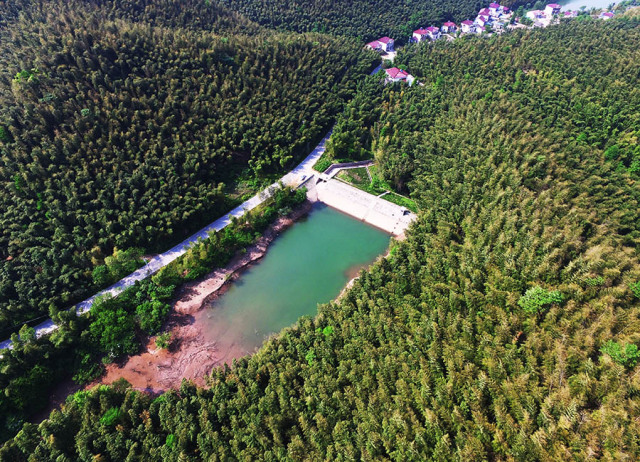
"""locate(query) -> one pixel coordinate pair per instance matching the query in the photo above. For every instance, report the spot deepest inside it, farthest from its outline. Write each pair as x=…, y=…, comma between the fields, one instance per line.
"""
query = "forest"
x=365, y=19
x=130, y=124
x=504, y=327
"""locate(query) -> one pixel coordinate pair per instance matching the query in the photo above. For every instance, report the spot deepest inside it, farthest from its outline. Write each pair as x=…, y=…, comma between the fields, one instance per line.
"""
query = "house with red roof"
x=484, y=12
x=449, y=27
x=420, y=35
x=434, y=33
x=495, y=9
x=466, y=26
x=382, y=45
x=395, y=74
x=606, y=15
x=482, y=20
x=552, y=9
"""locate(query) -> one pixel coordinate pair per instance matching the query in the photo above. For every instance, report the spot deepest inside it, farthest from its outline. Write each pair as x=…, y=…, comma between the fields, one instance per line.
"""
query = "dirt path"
x=156, y=370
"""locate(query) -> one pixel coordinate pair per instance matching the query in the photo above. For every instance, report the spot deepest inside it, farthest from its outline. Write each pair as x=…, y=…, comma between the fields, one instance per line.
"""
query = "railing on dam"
x=335, y=168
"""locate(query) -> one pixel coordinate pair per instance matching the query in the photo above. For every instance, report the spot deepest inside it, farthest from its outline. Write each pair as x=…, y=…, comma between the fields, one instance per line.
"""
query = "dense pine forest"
x=124, y=125
x=365, y=19
x=505, y=326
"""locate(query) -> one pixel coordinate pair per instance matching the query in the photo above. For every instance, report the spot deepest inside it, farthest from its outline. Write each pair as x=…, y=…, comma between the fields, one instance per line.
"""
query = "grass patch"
x=359, y=178
x=401, y=201
x=355, y=176
x=323, y=163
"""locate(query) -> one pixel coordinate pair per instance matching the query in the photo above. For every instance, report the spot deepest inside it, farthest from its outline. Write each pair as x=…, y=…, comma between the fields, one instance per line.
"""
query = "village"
x=492, y=20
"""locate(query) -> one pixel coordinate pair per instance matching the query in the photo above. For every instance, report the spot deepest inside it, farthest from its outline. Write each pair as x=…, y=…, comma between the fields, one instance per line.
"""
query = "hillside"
x=364, y=19
x=129, y=124
x=188, y=14
x=505, y=327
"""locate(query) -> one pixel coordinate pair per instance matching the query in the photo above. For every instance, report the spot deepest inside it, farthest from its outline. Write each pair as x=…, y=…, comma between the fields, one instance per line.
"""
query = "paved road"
x=293, y=178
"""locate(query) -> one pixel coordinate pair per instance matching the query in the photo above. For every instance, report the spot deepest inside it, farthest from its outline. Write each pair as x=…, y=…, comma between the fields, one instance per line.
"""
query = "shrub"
x=110, y=417
x=537, y=299
x=113, y=327
x=163, y=340
x=151, y=315
x=626, y=355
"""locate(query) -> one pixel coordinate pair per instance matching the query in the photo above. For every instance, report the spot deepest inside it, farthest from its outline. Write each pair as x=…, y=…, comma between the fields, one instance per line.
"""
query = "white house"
x=571, y=14
x=449, y=27
x=420, y=35
x=466, y=26
x=482, y=20
x=398, y=75
x=535, y=14
x=382, y=45
x=606, y=15
x=434, y=33
x=495, y=9
x=552, y=9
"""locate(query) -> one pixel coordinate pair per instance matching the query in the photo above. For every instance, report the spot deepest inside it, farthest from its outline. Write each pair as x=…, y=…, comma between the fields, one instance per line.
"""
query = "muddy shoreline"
x=190, y=357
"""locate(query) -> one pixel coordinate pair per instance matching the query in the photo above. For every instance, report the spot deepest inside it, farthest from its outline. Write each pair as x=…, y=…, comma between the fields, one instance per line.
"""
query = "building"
x=552, y=9
x=449, y=27
x=484, y=12
x=482, y=20
x=398, y=75
x=606, y=15
x=420, y=35
x=535, y=14
x=382, y=45
x=434, y=33
x=495, y=9
x=466, y=26
x=570, y=14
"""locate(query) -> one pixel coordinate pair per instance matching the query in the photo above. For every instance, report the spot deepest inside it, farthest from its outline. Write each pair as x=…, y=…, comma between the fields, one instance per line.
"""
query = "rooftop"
x=396, y=73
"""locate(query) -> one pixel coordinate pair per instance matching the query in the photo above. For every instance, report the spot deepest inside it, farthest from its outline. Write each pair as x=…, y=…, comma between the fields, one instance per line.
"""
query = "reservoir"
x=309, y=263
x=576, y=4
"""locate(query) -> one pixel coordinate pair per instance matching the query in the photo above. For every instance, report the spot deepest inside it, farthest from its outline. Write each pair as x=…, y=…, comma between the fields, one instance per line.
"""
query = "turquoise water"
x=309, y=263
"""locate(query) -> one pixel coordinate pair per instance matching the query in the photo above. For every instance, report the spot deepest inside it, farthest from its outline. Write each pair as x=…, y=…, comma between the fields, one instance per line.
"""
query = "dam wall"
x=375, y=211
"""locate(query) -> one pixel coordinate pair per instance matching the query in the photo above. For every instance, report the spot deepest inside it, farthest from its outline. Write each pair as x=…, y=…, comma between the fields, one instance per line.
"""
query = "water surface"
x=576, y=4
x=308, y=264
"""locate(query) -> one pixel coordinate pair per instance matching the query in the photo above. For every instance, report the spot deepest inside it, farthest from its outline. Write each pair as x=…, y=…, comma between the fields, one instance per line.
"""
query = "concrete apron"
x=375, y=211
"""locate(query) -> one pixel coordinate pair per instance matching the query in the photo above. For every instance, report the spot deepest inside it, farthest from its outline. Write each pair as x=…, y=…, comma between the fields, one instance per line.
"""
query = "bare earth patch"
x=156, y=370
